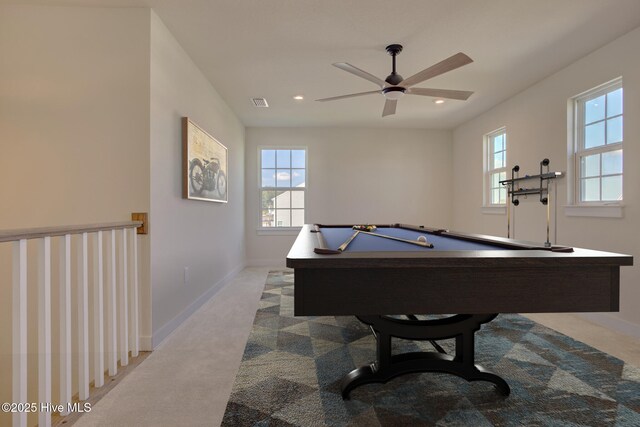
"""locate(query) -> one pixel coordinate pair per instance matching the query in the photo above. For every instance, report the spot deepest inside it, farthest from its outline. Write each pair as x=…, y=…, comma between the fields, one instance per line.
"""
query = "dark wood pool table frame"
x=522, y=277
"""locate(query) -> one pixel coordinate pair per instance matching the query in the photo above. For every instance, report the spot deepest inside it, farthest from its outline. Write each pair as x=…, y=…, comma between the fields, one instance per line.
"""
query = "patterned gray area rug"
x=292, y=367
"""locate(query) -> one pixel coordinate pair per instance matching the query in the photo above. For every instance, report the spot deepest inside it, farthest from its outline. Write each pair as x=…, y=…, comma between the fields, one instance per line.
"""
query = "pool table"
x=389, y=284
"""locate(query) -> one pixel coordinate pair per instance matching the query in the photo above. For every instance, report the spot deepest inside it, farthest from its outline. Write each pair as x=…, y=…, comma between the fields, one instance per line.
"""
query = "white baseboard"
x=171, y=325
x=145, y=343
x=614, y=323
x=277, y=262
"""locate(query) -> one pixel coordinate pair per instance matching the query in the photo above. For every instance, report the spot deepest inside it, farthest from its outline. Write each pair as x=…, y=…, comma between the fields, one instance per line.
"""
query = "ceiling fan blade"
x=351, y=95
x=462, y=95
x=389, y=107
x=360, y=73
x=451, y=63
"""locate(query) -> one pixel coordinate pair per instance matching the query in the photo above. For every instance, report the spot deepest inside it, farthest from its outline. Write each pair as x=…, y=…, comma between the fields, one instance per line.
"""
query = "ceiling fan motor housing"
x=394, y=79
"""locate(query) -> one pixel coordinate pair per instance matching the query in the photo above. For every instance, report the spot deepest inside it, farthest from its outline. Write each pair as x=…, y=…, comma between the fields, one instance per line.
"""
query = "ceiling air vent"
x=259, y=102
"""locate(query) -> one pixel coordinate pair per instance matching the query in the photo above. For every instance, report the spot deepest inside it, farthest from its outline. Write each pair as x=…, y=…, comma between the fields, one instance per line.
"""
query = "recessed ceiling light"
x=298, y=97
x=439, y=101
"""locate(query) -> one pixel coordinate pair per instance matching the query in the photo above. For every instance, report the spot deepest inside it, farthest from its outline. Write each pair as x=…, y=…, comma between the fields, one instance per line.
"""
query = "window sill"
x=598, y=211
x=494, y=210
x=278, y=231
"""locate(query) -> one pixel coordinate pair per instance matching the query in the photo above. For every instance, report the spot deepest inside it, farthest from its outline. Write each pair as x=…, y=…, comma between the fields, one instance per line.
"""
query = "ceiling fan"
x=395, y=86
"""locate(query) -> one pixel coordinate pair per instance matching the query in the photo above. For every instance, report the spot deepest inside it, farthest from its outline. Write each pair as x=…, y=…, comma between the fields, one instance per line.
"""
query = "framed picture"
x=204, y=163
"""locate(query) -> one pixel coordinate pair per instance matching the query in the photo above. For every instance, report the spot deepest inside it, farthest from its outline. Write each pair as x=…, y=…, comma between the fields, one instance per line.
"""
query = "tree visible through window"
x=598, y=144
x=282, y=187
x=496, y=167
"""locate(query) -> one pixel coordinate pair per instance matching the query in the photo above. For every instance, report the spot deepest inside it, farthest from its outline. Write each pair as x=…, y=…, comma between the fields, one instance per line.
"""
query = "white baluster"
x=65, y=322
x=123, y=303
x=112, y=360
x=98, y=311
x=83, y=319
x=19, y=303
x=44, y=328
x=135, y=338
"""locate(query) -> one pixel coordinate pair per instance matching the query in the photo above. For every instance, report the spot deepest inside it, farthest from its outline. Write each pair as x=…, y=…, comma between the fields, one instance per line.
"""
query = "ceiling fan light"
x=393, y=93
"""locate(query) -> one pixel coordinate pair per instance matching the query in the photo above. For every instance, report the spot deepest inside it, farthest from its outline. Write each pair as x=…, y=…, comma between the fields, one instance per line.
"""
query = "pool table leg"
x=462, y=327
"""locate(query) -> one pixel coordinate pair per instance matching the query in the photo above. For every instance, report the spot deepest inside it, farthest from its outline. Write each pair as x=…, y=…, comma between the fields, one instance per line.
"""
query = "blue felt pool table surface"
x=336, y=236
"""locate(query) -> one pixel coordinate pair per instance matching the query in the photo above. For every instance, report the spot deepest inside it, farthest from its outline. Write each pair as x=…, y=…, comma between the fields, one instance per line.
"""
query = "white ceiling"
x=280, y=48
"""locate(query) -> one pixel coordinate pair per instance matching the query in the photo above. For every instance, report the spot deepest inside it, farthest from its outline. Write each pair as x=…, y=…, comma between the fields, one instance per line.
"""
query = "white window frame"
x=489, y=170
x=281, y=230
x=592, y=208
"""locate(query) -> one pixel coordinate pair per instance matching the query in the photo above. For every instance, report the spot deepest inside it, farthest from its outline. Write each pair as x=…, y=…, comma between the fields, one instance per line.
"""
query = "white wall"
x=73, y=112
x=356, y=176
x=536, y=122
x=74, y=134
x=205, y=237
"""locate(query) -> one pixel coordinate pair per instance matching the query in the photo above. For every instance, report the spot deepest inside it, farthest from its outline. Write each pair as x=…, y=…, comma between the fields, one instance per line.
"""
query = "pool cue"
x=555, y=213
x=413, y=242
x=548, y=243
x=512, y=187
x=343, y=246
x=509, y=190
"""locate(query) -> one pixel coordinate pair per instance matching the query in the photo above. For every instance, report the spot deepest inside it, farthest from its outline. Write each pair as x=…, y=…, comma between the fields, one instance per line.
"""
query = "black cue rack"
x=514, y=190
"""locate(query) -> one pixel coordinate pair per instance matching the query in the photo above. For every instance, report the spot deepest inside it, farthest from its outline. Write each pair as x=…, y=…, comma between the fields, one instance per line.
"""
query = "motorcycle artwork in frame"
x=204, y=162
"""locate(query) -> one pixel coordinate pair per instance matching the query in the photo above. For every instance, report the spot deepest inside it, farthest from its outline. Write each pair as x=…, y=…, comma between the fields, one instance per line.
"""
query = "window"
x=495, y=168
x=282, y=187
x=598, y=144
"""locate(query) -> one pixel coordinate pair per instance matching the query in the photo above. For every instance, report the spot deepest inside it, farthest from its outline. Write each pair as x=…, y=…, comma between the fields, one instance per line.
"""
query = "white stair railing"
x=119, y=262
